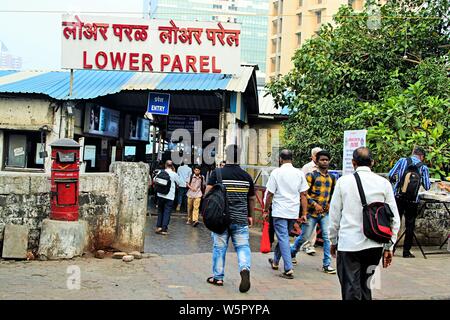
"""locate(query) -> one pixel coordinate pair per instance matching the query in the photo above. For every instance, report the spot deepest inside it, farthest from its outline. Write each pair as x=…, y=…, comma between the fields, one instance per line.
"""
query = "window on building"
x=24, y=149
x=235, y=20
x=232, y=7
x=217, y=6
x=319, y=1
x=278, y=64
x=280, y=25
x=319, y=16
x=300, y=3
x=299, y=19
x=299, y=38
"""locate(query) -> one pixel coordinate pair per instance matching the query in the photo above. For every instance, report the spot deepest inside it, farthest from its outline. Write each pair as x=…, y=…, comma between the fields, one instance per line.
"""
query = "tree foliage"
x=392, y=81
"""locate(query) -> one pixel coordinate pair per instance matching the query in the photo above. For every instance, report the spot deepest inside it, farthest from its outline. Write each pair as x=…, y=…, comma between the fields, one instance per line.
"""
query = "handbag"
x=377, y=217
x=265, y=239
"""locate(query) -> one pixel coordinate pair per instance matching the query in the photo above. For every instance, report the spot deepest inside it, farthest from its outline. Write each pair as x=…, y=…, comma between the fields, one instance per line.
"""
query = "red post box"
x=65, y=174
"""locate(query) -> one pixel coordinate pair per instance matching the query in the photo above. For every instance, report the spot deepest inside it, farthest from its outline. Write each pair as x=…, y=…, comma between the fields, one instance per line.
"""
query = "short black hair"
x=419, y=151
x=363, y=157
x=197, y=167
x=323, y=153
x=286, y=154
x=233, y=153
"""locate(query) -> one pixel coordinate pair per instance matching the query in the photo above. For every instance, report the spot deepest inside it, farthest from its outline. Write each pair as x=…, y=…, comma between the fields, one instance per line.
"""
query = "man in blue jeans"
x=319, y=196
x=241, y=202
x=286, y=188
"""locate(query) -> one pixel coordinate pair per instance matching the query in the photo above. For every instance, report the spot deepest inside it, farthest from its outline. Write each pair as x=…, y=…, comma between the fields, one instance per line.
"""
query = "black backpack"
x=377, y=217
x=409, y=185
x=162, y=182
x=214, y=207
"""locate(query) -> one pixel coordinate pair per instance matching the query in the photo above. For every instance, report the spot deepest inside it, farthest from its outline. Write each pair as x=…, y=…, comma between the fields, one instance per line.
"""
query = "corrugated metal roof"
x=267, y=106
x=89, y=84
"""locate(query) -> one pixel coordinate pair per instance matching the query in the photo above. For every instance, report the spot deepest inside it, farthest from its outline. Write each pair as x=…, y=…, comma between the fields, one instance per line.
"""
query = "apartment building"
x=291, y=23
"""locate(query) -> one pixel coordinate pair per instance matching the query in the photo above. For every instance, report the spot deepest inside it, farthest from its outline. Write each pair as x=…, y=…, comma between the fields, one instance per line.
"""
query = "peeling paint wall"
x=25, y=114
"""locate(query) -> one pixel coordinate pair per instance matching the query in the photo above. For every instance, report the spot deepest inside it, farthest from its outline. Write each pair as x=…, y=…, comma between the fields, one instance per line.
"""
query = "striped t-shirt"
x=239, y=185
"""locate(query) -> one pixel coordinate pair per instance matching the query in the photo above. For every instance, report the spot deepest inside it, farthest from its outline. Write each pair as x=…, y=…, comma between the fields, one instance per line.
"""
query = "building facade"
x=291, y=23
x=251, y=14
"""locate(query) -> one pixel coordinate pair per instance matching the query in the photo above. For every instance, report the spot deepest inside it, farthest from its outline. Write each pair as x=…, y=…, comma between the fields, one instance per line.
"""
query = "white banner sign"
x=117, y=43
x=353, y=139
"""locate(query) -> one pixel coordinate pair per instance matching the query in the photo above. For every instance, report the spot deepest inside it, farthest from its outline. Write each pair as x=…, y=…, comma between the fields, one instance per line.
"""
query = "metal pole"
x=71, y=82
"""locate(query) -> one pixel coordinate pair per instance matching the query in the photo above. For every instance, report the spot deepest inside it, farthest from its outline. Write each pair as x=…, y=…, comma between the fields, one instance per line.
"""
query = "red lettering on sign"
x=177, y=64
x=97, y=60
x=165, y=60
x=117, y=58
x=204, y=62
x=214, y=69
x=147, y=61
x=133, y=60
x=190, y=63
x=85, y=64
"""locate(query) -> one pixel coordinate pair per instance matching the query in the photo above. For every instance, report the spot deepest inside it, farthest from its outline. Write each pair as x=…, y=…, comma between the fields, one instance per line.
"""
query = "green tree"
x=391, y=78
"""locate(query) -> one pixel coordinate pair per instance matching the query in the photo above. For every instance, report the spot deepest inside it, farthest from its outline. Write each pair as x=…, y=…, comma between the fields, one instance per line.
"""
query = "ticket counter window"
x=24, y=150
x=130, y=153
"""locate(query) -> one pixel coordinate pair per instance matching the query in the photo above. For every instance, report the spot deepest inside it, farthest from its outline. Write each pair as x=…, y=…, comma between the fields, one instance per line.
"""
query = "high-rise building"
x=291, y=23
x=251, y=14
x=8, y=60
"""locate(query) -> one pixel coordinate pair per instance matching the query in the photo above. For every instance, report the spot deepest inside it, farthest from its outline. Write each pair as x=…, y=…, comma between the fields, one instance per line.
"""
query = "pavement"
x=176, y=266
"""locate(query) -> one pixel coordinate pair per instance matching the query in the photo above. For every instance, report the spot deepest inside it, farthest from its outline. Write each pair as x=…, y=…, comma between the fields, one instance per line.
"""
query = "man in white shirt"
x=184, y=172
x=165, y=201
x=286, y=188
x=358, y=256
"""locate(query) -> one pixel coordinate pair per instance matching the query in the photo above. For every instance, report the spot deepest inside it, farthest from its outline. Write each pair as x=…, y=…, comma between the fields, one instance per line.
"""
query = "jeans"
x=307, y=229
x=164, y=210
x=282, y=249
x=181, y=196
x=240, y=236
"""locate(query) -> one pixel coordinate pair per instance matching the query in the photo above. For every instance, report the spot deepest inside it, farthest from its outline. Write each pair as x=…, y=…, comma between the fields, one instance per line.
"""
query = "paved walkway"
x=177, y=265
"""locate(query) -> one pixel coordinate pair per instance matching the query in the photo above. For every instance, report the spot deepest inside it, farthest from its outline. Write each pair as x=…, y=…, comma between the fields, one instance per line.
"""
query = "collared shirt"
x=196, y=184
x=239, y=186
x=400, y=168
x=346, y=212
x=184, y=172
x=320, y=192
x=309, y=167
x=286, y=183
x=175, y=179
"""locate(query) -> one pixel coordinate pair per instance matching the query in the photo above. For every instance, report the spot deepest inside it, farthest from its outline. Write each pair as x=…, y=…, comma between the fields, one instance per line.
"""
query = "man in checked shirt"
x=321, y=185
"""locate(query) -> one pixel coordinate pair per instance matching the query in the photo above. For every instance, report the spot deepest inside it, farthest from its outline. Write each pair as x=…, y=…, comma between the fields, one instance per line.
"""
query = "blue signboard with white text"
x=158, y=103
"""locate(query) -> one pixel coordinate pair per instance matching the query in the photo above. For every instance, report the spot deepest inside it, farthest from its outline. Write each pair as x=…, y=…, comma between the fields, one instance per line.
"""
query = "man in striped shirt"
x=241, y=202
x=407, y=208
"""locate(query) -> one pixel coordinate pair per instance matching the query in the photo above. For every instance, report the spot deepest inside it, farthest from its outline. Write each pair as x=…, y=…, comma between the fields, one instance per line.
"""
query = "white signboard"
x=127, y=44
x=353, y=139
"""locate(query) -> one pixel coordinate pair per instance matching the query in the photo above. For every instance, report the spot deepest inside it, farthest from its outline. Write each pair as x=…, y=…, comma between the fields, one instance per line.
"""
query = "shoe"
x=408, y=255
x=329, y=270
x=245, y=281
x=164, y=233
x=273, y=265
x=188, y=222
x=178, y=208
x=310, y=250
x=288, y=274
x=158, y=230
x=305, y=245
x=294, y=261
x=195, y=224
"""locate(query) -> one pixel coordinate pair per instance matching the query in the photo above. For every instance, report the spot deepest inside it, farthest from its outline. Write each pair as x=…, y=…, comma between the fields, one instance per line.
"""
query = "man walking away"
x=408, y=200
x=241, y=202
x=358, y=256
x=165, y=201
x=321, y=186
x=308, y=246
x=286, y=188
x=194, y=194
x=184, y=172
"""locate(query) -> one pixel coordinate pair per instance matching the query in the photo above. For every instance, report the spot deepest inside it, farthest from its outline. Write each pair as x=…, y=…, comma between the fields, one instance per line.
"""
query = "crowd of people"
x=311, y=197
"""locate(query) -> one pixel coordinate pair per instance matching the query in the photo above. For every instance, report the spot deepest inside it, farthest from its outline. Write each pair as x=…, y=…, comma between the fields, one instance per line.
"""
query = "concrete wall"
x=113, y=204
x=25, y=113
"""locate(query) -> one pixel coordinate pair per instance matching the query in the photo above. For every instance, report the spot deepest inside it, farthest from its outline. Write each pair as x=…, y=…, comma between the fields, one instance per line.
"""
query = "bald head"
x=362, y=157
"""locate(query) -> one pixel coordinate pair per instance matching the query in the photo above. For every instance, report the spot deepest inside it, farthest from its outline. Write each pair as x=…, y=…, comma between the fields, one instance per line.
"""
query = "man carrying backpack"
x=409, y=174
x=240, y=195
x=165, y=187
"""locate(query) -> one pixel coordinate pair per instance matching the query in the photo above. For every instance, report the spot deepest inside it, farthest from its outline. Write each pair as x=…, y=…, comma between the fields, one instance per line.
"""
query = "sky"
x=31, y=29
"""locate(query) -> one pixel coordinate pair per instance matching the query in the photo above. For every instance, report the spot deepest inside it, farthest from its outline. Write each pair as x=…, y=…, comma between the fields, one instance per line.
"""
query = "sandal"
x=273, y=265
x=216, y=282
